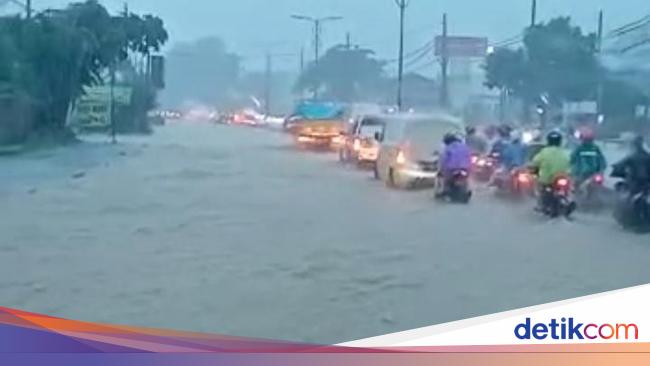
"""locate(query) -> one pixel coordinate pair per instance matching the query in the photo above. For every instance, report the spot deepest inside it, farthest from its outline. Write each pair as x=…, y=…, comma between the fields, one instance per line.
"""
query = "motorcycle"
x=516, y=183
x=484, y=167
x=556, y=198
x=632, y=212
x=591, y=193
x=457, y=189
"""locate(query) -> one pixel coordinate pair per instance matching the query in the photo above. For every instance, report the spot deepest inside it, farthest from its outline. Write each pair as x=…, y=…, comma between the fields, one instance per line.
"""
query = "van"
x=409, y=148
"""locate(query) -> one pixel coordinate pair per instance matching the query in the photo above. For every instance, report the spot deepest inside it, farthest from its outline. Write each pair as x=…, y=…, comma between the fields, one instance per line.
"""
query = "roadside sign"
x=102, y=93
x=458, y=46
x=92, y=110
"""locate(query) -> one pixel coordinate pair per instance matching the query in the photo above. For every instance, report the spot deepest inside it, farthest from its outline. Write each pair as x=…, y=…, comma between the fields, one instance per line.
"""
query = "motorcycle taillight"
x=523, y=178
x=599, y=179
x=563, y=184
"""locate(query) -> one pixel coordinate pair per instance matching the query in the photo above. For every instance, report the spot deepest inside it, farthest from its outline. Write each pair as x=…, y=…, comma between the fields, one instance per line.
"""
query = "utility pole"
x=317, y=29
x=267, y=84
x=402, y=5
x=112, y=72
x=599, y=91
x=348, y=43
x=111, y=103
x=28, y=8
x=533, y=14
x=302, y=60
x=444, y=64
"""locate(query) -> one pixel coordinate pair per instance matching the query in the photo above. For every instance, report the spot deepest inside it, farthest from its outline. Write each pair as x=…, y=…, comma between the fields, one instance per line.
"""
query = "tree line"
x=46, y=61
x=560, y=63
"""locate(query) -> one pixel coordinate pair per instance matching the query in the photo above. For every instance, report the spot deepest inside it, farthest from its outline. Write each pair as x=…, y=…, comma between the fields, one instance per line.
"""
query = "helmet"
x=638, y=142
x=587, y=135
x=554, y=138
x=505, y=131
x=450, y=138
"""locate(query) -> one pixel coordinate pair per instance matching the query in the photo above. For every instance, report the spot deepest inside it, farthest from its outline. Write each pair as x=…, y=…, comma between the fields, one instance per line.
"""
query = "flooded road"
x=229, y=230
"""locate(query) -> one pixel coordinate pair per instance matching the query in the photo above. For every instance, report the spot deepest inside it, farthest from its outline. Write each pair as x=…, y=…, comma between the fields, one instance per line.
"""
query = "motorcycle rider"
x=501, y=142
x=551, y=162
x=456, y=156
x=514, y=153
x=475, y=142
x=587, y=159
x=635, y=168
x=513, y=156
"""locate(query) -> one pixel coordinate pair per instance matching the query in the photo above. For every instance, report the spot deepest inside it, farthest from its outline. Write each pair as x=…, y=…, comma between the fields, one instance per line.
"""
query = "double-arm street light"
x=317, y=22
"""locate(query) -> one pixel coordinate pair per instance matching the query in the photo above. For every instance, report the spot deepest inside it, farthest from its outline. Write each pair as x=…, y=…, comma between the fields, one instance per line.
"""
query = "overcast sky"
x=250, y=27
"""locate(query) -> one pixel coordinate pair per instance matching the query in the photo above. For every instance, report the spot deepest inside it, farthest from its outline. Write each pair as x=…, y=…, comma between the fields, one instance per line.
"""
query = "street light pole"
x=317, y=40
x=318, y=25
x=402, y=5
x=444, y=65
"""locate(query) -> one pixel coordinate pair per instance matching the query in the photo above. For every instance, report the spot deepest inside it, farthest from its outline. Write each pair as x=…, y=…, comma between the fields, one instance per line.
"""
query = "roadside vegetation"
x=559, y=63
x=47, y=61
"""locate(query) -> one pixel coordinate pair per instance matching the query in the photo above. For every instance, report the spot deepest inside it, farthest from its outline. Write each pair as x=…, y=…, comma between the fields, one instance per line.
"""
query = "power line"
x=409, y=55
x=431, y=63
x=419, y=57
x=630, y=27
x=518, y=38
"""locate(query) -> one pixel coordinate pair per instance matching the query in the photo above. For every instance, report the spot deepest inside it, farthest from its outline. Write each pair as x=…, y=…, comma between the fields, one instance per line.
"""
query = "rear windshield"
x=369, y=127
x=427, y=134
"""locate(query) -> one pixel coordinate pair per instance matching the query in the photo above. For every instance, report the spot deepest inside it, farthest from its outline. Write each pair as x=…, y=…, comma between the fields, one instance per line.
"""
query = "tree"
x=345, y=74
x=561, y=61
x=57, y=53
x=557, y=60
x=506, y=70
x=202, y=71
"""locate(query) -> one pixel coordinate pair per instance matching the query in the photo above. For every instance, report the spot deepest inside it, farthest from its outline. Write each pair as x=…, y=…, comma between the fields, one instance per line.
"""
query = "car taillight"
x=599, y=179
x=357, y=145
x=401, y=158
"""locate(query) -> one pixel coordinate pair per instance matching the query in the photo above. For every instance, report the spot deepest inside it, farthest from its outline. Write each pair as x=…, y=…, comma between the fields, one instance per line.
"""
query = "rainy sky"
x=251, y=27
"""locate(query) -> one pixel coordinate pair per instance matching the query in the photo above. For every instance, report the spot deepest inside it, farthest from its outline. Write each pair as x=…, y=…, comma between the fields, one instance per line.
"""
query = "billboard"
x=92, y=110
x=457, y=46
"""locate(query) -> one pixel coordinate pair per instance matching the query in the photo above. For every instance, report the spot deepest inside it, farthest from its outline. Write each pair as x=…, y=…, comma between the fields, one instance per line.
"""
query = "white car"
x=409, y=146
